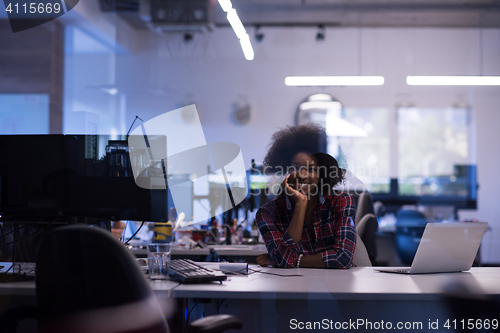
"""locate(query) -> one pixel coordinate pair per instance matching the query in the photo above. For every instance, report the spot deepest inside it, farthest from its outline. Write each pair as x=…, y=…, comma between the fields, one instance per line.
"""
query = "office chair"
x=367, y=224
x=364, y=205
x=361, y=257
x=410, y=225
x=86, y=281
x=367, y=230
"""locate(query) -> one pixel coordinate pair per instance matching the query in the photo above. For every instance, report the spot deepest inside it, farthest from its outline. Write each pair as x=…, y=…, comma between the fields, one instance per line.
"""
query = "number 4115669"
x=34, y=8
x=472, y=324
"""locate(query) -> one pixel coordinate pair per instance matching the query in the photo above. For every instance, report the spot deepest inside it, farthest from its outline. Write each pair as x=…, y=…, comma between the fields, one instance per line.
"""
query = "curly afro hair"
x=291, y=140
x=330, y=174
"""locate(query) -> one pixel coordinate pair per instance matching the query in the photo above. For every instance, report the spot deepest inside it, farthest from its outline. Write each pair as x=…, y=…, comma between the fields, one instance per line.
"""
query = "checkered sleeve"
x=342, y=252
x=280, y=246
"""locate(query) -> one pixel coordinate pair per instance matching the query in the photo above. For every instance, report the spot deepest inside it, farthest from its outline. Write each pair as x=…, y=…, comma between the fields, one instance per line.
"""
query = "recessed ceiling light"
x=453, y=80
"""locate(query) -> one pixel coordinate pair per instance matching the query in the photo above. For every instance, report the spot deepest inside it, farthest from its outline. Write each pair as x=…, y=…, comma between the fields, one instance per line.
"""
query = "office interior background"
x=96, y=68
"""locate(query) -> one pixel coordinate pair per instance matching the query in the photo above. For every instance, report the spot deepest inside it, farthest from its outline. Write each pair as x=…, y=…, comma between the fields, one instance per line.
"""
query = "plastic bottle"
x=235, y=239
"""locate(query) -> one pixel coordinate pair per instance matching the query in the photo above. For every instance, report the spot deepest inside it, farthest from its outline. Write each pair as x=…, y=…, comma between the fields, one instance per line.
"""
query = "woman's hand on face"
x=296, y=196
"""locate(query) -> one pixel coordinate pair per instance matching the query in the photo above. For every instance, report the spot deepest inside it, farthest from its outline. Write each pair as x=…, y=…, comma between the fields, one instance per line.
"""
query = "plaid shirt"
x=335, y=233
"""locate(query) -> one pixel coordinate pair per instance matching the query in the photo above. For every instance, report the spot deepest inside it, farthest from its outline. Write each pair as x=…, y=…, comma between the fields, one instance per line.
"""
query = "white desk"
x=267, y=303
x=360, y=283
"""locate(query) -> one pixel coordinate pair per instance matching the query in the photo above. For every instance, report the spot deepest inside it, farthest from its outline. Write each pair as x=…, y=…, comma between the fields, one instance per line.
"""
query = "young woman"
x=308, y=224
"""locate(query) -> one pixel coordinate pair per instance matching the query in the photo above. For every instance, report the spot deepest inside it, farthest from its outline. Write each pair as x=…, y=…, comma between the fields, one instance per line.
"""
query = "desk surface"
x=361, y=283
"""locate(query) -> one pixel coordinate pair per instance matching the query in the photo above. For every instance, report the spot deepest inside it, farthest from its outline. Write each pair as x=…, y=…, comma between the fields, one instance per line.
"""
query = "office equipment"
x=63, y=176
x=234, y=267
x=187, y=271
x=446, y=247
x=32, y=177
x=73, y=296
x=105, y=188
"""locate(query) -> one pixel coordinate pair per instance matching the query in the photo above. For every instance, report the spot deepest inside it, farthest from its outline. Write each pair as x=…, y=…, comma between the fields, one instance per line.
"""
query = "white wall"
x=167, y=73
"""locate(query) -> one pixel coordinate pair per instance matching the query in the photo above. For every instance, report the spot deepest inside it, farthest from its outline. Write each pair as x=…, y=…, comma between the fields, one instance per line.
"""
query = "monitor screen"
x=32, y=176
x=67, y=176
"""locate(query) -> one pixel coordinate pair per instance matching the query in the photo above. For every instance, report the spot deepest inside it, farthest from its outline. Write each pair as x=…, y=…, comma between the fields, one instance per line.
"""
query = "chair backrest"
x=361, y=257
x=364, y=206
x=367, y=228
x=83, y=272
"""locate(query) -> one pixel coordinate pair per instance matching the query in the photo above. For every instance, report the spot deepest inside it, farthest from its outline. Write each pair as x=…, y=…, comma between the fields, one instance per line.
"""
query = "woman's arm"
x=297, y=223
x=340, y=255
x=300, y=200
x=314, y=261
x=281, y=247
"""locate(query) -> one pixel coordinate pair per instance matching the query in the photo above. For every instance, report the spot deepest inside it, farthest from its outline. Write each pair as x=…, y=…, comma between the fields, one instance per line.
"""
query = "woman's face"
x=304, y=174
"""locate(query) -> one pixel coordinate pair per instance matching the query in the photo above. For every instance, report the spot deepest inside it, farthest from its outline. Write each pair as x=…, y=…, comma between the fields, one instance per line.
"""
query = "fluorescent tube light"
x=453, y=80
x=226, y=5
x=247, y=47
x=239, y=29
x=236, y=24
x=111, y=91
x=334, y=80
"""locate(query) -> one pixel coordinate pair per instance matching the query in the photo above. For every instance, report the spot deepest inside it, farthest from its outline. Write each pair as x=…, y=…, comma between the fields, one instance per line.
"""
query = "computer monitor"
x=32, y=177
x=66, y=176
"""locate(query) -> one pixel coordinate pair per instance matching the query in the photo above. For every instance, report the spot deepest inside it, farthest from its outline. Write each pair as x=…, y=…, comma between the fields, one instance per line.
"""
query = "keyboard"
x=187, y=271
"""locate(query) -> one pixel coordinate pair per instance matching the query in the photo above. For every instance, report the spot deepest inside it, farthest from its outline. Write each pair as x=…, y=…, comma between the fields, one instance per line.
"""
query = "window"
x=367, y=156
x=435, y=154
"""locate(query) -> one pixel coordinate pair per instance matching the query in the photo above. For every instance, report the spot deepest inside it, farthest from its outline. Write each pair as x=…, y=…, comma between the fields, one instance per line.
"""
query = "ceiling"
x=351, y=13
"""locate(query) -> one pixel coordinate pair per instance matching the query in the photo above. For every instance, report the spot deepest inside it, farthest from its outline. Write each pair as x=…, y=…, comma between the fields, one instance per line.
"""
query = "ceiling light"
x=111, y=91
x=247, y=47
x=240, y=32
x=453, y=80
x=225, y=5
x=236, y=24
x=334, y=80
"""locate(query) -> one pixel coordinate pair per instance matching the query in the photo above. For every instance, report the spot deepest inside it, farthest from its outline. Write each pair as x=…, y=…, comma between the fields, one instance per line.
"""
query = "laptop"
x=445, y=247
